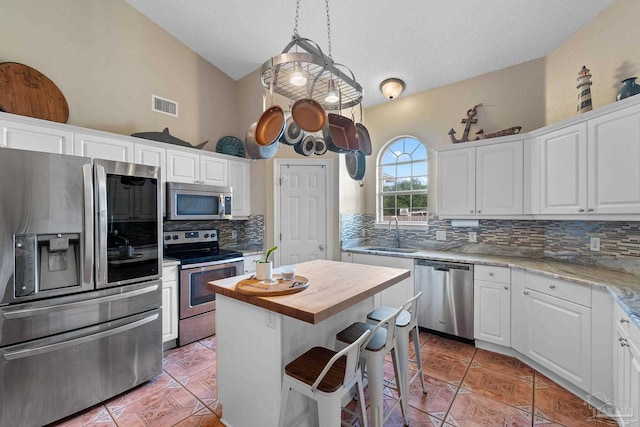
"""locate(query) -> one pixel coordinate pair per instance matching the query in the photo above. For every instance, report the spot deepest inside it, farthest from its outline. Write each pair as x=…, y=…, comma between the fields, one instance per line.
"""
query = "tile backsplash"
x=248, y=231
x=562, y=240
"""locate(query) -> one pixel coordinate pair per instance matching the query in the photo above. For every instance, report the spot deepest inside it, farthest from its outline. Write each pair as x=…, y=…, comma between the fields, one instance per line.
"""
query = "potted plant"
x=264, y=267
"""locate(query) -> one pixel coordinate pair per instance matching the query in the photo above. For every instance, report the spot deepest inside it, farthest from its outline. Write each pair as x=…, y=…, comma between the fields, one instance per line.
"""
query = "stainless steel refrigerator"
x=80, y=289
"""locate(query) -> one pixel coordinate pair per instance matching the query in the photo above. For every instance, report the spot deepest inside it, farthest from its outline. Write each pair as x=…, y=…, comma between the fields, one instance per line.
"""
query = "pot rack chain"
x=322, y=72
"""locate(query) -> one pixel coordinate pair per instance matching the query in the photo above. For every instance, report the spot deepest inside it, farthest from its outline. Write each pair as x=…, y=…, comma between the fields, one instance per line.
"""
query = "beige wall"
x=608, y=46
x=108, y=59
x=510, y=97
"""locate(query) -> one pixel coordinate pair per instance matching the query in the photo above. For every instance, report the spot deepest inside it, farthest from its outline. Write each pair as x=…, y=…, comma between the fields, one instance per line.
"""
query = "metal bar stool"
x=326, y=376
x=406, y=324
x=381, y=341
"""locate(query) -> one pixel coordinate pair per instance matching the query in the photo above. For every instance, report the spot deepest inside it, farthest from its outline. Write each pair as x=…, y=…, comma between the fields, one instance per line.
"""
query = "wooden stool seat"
x=308, y=367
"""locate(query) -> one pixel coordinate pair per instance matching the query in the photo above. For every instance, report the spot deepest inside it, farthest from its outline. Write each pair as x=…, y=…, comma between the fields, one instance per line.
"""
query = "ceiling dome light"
x=297, y=76
x=332, y=94
x=392, y=88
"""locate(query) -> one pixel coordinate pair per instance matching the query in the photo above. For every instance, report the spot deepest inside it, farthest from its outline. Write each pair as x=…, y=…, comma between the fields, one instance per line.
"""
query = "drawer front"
x=573, y=292
x=492, y=274
x=169, y=273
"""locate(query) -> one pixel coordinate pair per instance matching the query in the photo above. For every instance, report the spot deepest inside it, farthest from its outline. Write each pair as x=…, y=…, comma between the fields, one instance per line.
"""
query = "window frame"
x=379, y=222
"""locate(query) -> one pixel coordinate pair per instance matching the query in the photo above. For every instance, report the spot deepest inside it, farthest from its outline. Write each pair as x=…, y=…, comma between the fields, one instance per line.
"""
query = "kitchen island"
x=258, y=336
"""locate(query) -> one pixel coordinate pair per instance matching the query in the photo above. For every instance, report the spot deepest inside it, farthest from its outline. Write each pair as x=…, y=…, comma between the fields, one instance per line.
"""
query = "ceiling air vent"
x=165, y=106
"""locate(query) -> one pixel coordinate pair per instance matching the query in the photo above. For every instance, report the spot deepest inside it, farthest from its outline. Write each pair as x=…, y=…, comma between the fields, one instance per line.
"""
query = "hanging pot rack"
x=320, y=70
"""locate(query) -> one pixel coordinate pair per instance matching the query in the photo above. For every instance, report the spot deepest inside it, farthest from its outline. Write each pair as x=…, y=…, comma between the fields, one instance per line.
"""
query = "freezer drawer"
x=39, y=319
x=44, y=380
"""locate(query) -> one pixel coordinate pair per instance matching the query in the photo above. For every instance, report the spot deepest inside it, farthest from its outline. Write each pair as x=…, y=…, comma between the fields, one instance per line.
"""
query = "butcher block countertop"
x=333, y=287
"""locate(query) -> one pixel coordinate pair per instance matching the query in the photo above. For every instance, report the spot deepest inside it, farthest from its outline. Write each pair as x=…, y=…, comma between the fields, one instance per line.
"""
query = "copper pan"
x=309, y=115
x=344, y=136
x=270, y=125
x=364, y=140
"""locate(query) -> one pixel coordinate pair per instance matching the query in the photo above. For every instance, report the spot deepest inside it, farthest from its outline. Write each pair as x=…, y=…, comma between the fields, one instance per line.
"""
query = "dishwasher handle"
x=443, y=266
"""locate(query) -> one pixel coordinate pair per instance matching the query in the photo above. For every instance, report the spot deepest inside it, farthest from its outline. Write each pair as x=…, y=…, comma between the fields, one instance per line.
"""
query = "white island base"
x=253, y=346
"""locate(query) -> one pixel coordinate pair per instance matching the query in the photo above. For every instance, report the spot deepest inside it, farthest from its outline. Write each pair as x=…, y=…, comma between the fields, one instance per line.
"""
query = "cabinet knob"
x=506, y=288
x=623, y=321
x=491, y=274
x=590, y=210
x=580, y=210
x=552, y=286
x=471, y=211
x=321, y=247
x=479, y=211
x=623, y=342
x=526, y=292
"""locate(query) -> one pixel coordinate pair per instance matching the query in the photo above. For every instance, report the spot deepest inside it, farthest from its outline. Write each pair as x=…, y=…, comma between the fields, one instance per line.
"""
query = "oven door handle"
x=207, y=266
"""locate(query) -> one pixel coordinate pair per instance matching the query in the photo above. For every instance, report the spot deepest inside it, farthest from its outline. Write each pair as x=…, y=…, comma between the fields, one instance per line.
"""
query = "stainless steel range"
x=201, y=261
x=80, y=295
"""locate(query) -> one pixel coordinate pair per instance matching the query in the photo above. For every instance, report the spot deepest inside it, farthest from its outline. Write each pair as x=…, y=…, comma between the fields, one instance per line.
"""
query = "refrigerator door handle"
x=20, y=354
x=29, y=312
x=101, y=229
x=87, y=266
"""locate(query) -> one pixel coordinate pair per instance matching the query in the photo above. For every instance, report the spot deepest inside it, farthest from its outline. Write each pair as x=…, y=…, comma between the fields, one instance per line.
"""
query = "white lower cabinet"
x=626, y=370
x=169, y=303
x=492, y=304
x=401, y=292
x=250, y=263
x=552, y=326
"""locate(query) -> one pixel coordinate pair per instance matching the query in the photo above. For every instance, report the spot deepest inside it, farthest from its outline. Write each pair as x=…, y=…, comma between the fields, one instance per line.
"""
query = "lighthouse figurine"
x=584, y=87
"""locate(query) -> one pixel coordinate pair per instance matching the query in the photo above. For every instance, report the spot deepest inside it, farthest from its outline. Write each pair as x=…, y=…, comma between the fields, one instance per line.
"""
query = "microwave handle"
x=221, y=211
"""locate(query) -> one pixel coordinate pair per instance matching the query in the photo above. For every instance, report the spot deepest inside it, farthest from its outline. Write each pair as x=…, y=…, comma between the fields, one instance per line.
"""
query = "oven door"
x=195, y=295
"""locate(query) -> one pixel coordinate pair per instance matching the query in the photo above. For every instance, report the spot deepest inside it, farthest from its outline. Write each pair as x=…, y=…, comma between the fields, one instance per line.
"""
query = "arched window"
x=403, y=181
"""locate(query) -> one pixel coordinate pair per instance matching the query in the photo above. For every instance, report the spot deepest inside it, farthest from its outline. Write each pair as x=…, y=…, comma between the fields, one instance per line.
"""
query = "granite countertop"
x=247, y=248
x=623, y=287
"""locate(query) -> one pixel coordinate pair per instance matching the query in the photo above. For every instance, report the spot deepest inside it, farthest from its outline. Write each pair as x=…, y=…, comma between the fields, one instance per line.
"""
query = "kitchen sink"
x=396, y=250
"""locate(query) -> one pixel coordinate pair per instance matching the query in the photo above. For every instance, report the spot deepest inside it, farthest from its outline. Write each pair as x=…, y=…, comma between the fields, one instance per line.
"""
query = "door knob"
x=321, y=247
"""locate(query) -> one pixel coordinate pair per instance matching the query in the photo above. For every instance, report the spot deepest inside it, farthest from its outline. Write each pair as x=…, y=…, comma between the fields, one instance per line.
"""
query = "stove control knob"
x=175, y=237
x=167, y=237
x=206, y=235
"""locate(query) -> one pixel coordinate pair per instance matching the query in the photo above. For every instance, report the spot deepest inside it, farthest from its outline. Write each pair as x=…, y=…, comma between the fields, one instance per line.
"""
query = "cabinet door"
x=214, y=170
x=401, y=292
x=35, y=138
x=563, y=171
x=240, y=182
x=499, y=179
x=492, y=312
x=100, y=147
x=250, y=263
x=169, y=303
x=183, y=166
x=614, y=162
x=558, y=335
x=346, y=257
x=151, y=155
x=456, y=182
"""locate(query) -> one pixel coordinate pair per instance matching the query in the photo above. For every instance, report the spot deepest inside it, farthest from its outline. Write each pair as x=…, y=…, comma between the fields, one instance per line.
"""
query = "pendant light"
x=302, y=70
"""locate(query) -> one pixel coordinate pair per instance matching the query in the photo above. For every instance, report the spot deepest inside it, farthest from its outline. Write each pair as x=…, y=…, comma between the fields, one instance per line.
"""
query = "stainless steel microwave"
x=197, y=201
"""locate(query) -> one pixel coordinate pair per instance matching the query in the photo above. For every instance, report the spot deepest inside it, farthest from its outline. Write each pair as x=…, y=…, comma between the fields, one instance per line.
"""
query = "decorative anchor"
x=469, y=121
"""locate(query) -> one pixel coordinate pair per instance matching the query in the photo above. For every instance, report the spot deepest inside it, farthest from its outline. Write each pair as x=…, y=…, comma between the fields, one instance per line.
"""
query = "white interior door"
x=303, y=213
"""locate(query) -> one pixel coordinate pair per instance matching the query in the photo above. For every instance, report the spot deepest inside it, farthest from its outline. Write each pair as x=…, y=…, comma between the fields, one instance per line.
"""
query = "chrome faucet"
x=397, y=233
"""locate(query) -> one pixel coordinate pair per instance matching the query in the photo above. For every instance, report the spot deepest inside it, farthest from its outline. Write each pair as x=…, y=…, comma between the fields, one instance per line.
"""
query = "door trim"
x=329, y=205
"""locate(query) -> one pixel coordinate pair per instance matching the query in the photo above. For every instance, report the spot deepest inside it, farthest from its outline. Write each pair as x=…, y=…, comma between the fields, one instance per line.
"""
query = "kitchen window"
x=403, y=181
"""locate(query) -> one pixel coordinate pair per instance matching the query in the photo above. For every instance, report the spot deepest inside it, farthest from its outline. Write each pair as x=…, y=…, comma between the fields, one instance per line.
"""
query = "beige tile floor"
x=467, y=387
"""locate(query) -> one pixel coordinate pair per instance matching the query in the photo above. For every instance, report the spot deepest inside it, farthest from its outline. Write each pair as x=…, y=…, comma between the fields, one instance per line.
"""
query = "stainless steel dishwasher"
x=447, y=300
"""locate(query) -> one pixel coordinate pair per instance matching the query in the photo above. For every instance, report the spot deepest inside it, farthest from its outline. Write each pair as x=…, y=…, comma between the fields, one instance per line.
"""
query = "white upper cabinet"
x=35, y=138
x=614, y=162
x=183, y=166
x=481, y=181
x=593, y=167
x=213, y=170
x=563, y=170
x=101, y=147
x=240, y=183
x=499, y=179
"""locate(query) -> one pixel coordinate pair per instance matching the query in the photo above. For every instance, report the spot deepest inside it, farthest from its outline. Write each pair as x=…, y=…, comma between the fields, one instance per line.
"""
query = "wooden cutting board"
x=28, y=92
x=282, y=287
